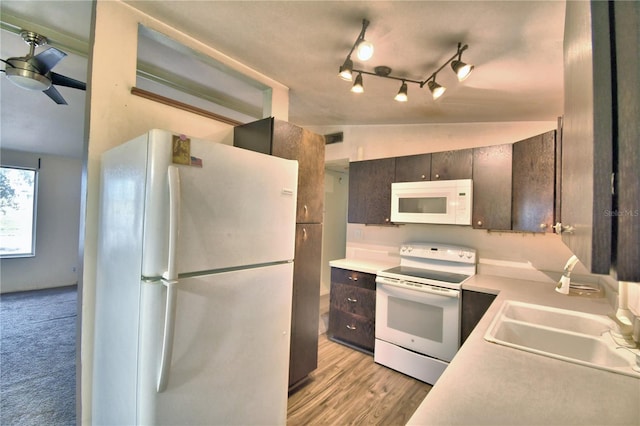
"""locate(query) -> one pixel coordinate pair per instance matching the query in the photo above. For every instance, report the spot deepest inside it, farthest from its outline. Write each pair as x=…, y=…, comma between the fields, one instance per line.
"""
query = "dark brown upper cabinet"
x=492, y=167
x=296, y=143
x=534, y=177
x=413, y=168
x=600, y=207
x=450, y=165
x=370, y=191
x=286, y=140
x=587, y=150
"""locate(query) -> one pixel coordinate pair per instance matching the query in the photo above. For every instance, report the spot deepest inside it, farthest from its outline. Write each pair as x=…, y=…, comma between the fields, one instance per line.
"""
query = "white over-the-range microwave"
x=440, y=201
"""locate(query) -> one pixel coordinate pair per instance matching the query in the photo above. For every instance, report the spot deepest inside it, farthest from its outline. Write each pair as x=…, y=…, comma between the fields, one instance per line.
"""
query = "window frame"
x=34, y=215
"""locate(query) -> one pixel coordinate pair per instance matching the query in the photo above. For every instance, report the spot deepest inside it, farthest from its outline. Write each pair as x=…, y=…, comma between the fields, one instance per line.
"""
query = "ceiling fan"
x=33, y=72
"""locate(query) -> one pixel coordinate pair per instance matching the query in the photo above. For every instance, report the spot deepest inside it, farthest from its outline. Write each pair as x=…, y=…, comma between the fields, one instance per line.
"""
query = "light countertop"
x=490, y=384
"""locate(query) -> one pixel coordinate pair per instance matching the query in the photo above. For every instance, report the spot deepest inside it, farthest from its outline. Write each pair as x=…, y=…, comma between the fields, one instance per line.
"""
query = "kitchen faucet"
x=565, y=280
x=623, y=317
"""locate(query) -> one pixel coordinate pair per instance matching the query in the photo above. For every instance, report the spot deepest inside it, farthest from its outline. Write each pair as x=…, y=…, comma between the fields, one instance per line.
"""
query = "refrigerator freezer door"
x=237, y=209
x=230, y=354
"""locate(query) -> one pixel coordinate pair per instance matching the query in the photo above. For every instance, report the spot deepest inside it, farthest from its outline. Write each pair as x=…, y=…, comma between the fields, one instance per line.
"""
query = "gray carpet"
x=37, y=357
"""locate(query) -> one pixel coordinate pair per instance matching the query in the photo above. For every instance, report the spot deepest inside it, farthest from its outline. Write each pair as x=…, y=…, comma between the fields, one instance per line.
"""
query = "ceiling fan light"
x=461, y=69
x=365, y=50
x=357, y=86
x=435, y=89
x=27, y=79
x=346, y=70
x=402, y=93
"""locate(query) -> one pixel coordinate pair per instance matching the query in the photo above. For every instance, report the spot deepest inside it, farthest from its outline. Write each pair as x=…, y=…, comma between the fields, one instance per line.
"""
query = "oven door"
x=426, y=321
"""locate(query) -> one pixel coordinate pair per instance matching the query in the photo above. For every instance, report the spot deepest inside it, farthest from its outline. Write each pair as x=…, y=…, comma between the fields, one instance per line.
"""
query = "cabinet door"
x=492, y=187
x=587, y=146
x=370, y=191
x=534, y=183
x=449, y=165
x=413, y=168
x=254, y=136
x=305, y=315
x=627, y=21
x=474, y=306
x=295, y=143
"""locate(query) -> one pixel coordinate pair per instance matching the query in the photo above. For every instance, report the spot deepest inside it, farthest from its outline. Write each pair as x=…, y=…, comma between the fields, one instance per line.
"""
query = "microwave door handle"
x=425, y=292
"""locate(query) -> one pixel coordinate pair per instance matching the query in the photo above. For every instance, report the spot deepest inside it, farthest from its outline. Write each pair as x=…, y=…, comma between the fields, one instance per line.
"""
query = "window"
x=18, y=189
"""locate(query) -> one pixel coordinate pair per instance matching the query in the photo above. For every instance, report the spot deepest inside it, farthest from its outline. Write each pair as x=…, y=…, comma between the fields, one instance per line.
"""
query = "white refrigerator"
x=194, y=284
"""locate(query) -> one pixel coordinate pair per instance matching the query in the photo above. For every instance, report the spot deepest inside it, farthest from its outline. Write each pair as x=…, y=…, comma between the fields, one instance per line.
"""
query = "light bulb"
x=365, y=50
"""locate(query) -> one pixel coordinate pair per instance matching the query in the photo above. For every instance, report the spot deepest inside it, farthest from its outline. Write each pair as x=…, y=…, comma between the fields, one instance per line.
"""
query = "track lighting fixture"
x=402, y=93
x=365, y=50
x=346, y=71
x=435, y=89
x=461, y=69
x=357, y=85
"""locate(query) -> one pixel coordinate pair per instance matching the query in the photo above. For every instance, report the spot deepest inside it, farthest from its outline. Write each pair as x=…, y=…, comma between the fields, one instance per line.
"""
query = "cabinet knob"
x=479, y=223
x=437, y=175
x=386, y=219
x=353, y=278
x=349, y=299
x=306, y=209
x=423, y=177
x=351, y=327
x=543, y=226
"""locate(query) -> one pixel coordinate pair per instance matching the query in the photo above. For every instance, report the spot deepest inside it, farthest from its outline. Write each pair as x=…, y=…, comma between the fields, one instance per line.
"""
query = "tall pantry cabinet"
x=283, y=139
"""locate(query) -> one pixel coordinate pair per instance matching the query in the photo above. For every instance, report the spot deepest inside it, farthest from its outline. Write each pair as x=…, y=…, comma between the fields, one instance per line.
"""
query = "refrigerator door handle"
x=170, y=278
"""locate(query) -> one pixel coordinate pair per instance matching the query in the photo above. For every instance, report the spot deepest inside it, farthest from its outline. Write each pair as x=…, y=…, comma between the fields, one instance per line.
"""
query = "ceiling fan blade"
x=47, y=59
x=62, y=80
x=55, y=95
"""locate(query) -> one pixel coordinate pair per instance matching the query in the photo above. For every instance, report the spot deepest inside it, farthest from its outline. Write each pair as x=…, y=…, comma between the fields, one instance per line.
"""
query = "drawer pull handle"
x=352, y=300
x=353, y=278
x=351, y=327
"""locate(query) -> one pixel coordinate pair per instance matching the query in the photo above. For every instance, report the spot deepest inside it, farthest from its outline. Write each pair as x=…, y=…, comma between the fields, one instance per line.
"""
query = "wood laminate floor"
x=348, y=388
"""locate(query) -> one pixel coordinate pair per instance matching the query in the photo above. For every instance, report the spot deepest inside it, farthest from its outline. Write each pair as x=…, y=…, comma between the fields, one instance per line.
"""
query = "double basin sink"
x=571, y=336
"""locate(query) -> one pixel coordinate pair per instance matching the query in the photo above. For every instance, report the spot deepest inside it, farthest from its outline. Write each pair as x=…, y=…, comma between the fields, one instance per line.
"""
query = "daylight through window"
x=18, y=189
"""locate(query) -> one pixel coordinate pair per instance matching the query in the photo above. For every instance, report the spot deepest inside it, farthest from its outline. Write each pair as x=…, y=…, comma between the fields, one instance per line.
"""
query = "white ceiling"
x=516, y=47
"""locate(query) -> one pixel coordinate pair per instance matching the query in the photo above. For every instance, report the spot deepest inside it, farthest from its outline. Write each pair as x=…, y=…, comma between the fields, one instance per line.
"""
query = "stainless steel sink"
x=567, y=335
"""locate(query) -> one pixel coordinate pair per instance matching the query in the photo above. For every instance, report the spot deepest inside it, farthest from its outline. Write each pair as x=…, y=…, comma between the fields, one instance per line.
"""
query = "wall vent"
x=333, y=138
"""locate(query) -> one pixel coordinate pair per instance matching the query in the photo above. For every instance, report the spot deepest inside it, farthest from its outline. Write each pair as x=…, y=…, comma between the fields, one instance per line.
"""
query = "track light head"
x=461, y=69
x=402, y=94
x=346, y=70
x=435, y=89
x=364, y=50
x=357, y=85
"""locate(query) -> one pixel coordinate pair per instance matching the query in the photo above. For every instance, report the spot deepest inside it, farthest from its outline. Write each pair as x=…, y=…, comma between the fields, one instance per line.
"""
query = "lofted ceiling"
x=516, y=47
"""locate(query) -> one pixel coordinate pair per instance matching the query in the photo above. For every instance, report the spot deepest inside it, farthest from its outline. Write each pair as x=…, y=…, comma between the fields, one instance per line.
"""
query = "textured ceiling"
x=516, y=47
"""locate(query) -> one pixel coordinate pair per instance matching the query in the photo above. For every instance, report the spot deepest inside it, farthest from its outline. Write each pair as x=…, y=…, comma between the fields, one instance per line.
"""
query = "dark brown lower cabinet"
x=305, y=313
x=352, y=309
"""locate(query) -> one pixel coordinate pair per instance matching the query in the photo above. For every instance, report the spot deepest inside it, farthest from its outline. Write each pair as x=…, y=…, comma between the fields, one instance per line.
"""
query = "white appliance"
x=194, y=284
x=418, y=309
x=440, y=201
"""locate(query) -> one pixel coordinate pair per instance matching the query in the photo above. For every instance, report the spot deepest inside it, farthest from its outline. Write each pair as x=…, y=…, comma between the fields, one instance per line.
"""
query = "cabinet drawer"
x=351, y=328
x=355, y=300
x=354, y=278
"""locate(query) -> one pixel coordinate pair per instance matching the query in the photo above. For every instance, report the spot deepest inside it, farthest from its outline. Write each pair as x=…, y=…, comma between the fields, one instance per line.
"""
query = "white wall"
x=58, y=210
x=334, y=229
x=116, y=116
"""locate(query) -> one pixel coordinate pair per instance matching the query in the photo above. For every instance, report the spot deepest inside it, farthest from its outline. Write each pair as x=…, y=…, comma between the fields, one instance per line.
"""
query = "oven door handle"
x=445, y=292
